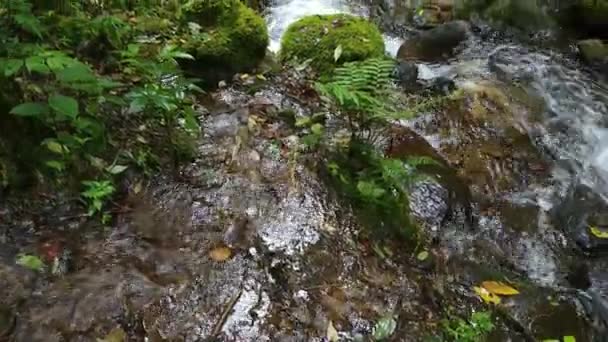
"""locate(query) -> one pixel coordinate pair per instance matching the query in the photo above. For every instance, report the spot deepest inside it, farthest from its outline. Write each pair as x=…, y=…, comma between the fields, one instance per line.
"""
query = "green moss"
x=317, y=37
x=233, y=39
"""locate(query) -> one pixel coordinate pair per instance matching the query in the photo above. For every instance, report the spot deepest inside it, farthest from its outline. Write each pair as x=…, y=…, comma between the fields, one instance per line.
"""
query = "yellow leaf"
x=220, y=253
x=332, y=333
x=486, y=296
x=598, y=232
x=499, y=288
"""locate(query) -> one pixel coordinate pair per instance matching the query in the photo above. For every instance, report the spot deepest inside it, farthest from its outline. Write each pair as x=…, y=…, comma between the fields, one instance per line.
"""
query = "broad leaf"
x=37, y=64
x=117, y=169
x=54, y=146
x=499, y=288
x=55, y=165
x=384, y=328
x=12, y=66
x=64, y=105
x=422, y=255
x=30, y=109
x=30, y=261
x=486, y=296
x=569, y=339
x=332, y=333
x=79, y=72
x=599, y=233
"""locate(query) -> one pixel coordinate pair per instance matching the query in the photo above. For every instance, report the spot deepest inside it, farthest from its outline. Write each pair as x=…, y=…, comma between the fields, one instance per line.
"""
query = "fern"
x=364, y=91
x=371, y=76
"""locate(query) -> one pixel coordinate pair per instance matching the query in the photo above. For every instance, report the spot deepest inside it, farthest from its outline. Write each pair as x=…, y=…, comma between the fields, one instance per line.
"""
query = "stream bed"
x=528, y=152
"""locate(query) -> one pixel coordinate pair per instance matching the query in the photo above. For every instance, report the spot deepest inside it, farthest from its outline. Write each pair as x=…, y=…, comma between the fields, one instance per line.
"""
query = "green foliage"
x=364, y=91
x=475, y=329
x=236, y=40
x=77, y=86
x=30, y=261
x=384, y=328
x=377, y=187
x=96, y=193
x=318, y=38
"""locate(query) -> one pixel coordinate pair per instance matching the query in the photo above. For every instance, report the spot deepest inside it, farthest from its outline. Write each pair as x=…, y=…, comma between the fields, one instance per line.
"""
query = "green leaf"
x=384, y=328
x=60, y=62
x=54, y=146
x=37, y=64
x=30, y=261
x=317, y=129
x=29, y=23
x=422, y=255
x=56, y=165
x=117, y=169
x=137, y=105
x=30, y=109
x=569, y=339
x=64, y=105
x=12, y=66
x=79, y=72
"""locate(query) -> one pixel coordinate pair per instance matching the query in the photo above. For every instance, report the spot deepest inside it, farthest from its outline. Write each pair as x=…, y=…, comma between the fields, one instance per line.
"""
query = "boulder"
x=317, y=37
x=593, y=50
x=436, y=44
x=225, y=37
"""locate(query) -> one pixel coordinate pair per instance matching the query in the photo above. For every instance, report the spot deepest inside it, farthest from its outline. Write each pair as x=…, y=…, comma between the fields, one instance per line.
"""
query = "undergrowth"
x=86, y=95
x=365, y=96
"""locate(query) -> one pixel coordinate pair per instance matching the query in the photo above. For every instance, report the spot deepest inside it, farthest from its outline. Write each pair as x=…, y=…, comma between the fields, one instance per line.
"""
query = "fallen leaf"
x=486, y=296
x=598, y=232
x=422, y=256
x=30, y=261
x=116, y=335
x=220, y=253
x=332, y=333
x=384, y=328
x=498, y=288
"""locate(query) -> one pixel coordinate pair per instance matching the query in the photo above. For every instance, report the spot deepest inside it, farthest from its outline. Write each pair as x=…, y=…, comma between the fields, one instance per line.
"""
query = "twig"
x=227, y=309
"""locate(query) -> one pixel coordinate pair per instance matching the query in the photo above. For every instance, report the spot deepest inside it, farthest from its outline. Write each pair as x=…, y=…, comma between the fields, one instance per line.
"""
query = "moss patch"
x=232, y=38
x=317, y=37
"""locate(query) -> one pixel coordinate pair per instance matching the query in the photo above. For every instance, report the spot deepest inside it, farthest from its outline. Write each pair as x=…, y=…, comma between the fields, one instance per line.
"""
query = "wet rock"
x=441, y=86
x=436, y=44
x=85, y=305
x=593, y=50
x=407, y=74
x=429, y=204
x=582, y=209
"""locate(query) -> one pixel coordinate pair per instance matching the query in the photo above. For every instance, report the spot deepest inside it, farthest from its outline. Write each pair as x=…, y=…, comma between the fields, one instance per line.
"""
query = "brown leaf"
x=220, y=253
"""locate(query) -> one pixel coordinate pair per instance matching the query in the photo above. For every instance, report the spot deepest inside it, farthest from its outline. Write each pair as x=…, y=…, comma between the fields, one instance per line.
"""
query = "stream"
x=527, y=146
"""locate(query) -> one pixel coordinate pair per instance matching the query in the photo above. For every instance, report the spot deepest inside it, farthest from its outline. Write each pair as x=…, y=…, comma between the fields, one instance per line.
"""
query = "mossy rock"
x=317, y=37
x=232, y=38
x=522, y=14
